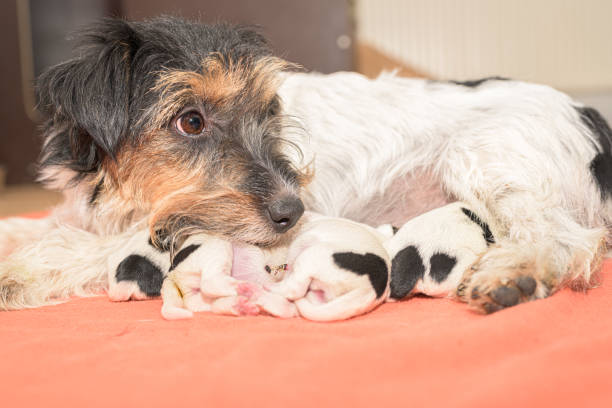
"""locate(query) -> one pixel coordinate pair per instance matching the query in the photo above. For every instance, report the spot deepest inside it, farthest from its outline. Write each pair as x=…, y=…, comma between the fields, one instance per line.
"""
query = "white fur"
x=385, y=150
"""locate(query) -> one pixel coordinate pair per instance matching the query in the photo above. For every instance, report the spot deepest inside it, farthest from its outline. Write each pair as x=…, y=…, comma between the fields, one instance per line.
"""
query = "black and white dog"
x=192, y=128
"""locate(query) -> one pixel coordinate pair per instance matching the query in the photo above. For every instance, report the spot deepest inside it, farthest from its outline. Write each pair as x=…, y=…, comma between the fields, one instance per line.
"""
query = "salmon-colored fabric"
x=555, y=352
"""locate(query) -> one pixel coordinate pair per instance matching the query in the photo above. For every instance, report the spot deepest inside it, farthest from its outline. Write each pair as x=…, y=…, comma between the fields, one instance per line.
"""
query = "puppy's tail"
x=64, y=263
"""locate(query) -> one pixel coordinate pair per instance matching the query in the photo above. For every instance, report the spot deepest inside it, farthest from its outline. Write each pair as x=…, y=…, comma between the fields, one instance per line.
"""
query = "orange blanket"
x=432, y=352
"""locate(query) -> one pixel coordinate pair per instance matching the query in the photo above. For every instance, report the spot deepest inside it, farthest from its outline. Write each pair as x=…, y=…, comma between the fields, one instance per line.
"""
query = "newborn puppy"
x=337, y=269
x=432, y=252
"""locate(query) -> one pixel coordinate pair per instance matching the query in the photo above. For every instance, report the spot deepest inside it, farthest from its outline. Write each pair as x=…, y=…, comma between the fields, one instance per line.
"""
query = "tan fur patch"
x=222, y=83
x=148, y=178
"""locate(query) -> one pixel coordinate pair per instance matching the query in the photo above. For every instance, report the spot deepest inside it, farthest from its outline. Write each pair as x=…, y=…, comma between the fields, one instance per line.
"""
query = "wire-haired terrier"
x=191, y=128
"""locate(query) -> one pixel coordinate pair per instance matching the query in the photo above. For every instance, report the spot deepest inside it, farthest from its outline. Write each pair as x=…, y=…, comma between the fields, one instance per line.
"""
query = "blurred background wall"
x=563, y=43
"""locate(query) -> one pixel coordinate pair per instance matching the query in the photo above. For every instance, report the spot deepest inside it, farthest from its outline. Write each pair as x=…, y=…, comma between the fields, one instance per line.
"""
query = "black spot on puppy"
x=486, y=231
x=601, y=166
x=144, y=272
x=440, y=266
x=183, y=254
x=406, y=269
x=369, y=264
x=477, y=82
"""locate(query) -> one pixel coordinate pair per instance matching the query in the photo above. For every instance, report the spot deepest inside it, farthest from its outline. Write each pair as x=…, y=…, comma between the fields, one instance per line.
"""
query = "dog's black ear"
x=86, y=99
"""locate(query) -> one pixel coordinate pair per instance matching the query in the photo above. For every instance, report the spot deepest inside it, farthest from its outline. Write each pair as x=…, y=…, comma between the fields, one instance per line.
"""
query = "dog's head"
x=177, y=121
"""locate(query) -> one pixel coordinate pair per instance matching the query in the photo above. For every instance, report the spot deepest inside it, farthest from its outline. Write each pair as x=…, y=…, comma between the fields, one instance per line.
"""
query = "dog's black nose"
x=284, y=212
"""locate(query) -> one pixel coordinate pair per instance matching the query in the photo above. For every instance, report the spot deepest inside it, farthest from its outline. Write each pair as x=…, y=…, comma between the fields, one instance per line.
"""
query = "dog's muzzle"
x=284, y=212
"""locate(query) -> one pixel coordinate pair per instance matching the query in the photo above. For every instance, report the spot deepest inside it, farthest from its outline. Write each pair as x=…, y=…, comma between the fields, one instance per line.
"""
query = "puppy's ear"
x=86, y=99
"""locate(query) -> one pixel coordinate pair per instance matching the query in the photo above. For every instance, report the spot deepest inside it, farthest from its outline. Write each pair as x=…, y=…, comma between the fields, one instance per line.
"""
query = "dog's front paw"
x=499, y=280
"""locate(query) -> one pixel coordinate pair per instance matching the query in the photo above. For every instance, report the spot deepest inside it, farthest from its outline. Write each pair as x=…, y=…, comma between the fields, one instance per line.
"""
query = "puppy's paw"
x=248, y=290
x=235, y=306
x=219, y=285
x=195, y=302
x=170, y=312
x=277, y=305
x=246, y=307
x=499, y=280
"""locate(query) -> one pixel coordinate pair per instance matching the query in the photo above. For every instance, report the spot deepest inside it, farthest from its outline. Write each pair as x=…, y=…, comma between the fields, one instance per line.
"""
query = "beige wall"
x=564, y=43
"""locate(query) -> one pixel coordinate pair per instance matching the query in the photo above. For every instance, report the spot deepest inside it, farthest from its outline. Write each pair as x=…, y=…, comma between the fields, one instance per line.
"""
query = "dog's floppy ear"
x=86, y=99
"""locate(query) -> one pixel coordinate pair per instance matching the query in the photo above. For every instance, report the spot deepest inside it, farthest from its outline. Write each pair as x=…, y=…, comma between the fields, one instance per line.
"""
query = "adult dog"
x=191, y=127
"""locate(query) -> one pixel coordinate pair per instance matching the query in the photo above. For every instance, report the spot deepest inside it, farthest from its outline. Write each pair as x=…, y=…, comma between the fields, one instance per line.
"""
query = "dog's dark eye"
x=190, y=124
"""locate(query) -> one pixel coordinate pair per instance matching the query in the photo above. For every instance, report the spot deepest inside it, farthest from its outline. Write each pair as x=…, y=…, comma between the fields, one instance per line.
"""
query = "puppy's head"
x=177, y=121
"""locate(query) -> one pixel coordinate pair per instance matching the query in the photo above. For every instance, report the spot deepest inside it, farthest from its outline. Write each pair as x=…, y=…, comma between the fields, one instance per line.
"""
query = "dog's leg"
x=514, y=272
x=539, y=247
x=64, y=262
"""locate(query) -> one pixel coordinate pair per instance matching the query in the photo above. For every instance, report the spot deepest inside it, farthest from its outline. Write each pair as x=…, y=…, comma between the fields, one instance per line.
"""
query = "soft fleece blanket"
x=555, y=352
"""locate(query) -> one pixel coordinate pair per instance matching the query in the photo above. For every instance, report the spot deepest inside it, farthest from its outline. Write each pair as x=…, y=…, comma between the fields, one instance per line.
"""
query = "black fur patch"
x=406, y=270
x=486, y=231
x=183, y=254
x=477, y=82
x=440, y=266
x=144, y=272
x=601, y=166
x=395, y=229
x=369, y=264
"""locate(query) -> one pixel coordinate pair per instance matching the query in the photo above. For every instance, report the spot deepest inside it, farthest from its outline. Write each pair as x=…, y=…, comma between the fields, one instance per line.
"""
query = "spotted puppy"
x=436, y=254
x=335, y=269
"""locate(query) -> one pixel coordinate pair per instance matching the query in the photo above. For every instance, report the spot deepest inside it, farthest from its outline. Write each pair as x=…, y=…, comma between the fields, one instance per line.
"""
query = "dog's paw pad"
x=494, y=294
x=526, y=284
x=506, y=296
